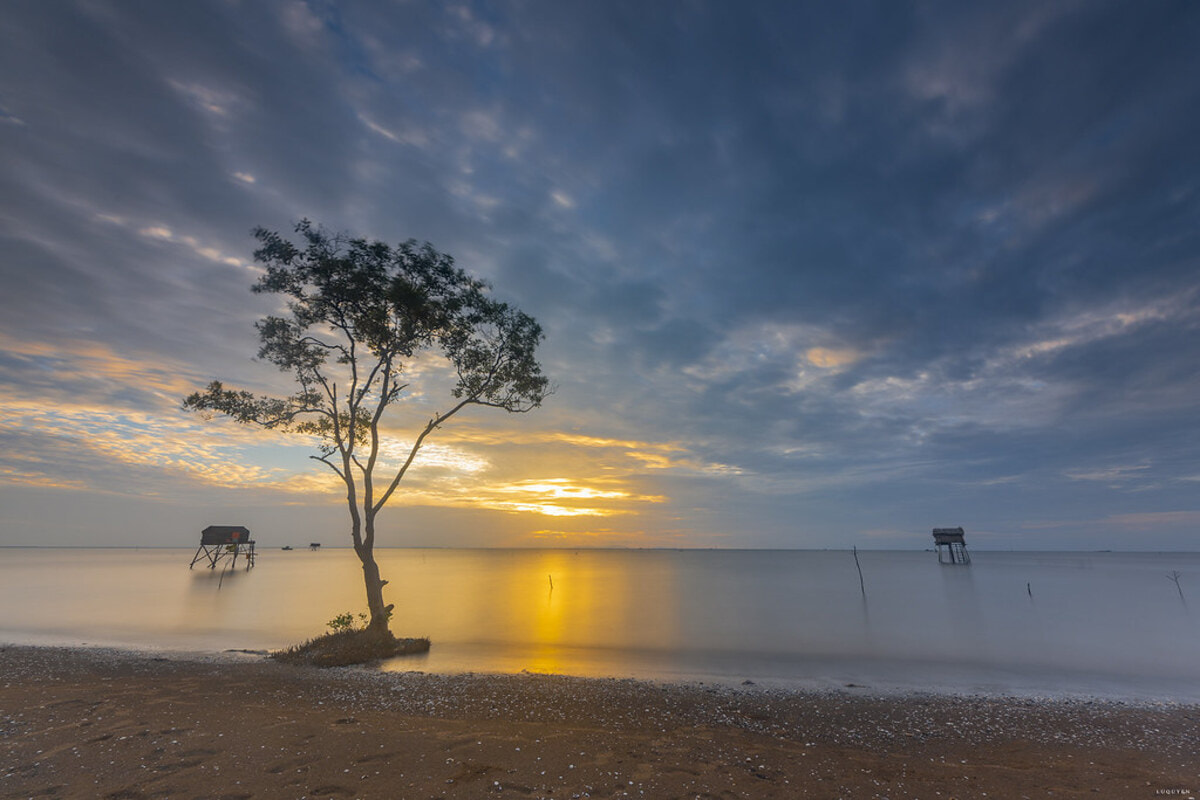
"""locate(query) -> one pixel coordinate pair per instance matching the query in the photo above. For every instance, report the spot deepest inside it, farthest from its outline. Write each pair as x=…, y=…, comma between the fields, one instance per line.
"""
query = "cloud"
x=1113, y=476
x=56, y=375
x=208, y=100
x=415, y=138
x=1155, y=519
x=867, y=260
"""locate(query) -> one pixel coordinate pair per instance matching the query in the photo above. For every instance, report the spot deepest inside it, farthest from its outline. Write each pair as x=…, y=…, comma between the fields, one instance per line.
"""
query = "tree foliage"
x=359, y=313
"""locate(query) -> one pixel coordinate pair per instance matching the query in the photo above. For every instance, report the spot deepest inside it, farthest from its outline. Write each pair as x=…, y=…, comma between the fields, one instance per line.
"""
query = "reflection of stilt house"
x=951, y=548
x=219, y=542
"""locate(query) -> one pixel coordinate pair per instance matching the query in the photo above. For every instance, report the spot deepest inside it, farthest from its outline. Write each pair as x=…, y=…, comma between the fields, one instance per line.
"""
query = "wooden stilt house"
x=221, y=542
x=951, y=547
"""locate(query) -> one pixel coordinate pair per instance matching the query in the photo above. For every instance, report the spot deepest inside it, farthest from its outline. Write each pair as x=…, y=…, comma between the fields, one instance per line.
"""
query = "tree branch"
x=412, y=453
x=325, y=460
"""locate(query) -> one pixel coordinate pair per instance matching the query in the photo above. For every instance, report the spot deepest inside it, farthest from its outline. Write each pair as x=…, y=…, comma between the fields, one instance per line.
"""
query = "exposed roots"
x=344, y=648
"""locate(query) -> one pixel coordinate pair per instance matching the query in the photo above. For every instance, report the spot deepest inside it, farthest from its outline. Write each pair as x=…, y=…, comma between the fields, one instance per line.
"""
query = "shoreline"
x=883, y=678
x=102, y=722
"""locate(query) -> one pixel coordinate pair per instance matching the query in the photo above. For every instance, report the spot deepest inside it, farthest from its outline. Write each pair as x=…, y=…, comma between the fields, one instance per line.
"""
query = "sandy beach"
x=103, y=723
x=111, y=724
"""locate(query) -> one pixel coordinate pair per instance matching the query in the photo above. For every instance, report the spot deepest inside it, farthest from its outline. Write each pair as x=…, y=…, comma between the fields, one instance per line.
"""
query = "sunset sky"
x=811, y=274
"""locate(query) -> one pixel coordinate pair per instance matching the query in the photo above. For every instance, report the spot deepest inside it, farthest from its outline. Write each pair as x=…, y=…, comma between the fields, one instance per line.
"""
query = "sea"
x=1112, y=624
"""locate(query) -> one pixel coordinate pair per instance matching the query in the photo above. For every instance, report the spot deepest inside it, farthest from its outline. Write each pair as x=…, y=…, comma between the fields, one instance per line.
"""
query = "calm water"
x=1103, y=623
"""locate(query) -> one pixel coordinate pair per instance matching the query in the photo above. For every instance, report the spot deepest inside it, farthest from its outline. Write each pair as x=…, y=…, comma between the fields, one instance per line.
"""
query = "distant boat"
x=286, y=547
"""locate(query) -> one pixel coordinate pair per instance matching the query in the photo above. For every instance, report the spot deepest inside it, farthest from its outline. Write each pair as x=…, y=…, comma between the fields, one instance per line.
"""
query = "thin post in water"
x=862, y=587
x=1174, y=576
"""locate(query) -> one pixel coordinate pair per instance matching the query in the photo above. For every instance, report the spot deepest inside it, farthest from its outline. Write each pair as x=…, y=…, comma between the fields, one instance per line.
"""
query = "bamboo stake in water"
x=1175, y=576
x=862, y=587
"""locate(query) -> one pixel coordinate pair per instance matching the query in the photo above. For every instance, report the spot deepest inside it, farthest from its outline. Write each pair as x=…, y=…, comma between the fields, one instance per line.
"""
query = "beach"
x=102, y=723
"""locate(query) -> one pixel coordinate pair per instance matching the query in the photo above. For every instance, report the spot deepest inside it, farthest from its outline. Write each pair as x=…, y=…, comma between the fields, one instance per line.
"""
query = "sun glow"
x=552, y=510
x=561, y=488
x=555, y=497
x=106, y=444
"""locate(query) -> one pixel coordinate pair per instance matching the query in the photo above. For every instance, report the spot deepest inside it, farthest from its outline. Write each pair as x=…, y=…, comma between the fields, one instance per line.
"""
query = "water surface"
x=1092, y=623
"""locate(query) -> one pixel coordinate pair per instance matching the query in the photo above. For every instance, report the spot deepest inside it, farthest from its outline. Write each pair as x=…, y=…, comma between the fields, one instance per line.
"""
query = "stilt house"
x=219, y=542
x=951, y=547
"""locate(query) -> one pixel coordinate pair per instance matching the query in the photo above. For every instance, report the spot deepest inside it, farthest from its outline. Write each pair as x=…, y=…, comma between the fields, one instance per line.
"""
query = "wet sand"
x=111, y=724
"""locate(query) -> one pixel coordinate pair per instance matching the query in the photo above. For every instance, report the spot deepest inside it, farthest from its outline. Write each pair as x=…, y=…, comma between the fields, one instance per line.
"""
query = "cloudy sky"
x=811, y=274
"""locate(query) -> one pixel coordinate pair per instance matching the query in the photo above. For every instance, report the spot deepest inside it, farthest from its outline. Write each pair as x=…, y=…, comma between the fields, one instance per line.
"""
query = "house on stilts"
x=951, y=548
x=221, y=542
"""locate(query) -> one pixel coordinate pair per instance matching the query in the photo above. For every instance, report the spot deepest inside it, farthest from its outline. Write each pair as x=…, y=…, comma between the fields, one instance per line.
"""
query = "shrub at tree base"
x=346, y=647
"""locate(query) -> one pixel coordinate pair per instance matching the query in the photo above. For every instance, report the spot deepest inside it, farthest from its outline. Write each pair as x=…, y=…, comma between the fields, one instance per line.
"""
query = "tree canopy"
x=359, y=313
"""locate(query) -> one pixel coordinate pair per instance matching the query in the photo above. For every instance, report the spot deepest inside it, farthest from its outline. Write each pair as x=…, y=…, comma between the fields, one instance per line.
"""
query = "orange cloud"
x=84, y=363
x=470, y=466
x=43, y=480
x=831, y=358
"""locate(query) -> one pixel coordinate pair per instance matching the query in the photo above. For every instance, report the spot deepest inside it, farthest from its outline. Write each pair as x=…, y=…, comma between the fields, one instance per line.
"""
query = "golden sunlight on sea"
x=548, y=617
x=568, y=605
x=547, y=611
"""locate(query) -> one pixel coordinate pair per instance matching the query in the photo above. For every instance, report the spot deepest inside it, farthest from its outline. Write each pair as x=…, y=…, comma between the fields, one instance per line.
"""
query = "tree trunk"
x=374, y=585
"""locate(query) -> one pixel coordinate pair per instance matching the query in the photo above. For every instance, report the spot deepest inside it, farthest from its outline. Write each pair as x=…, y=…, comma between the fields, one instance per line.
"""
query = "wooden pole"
x=1175, y=576
x=862, y=587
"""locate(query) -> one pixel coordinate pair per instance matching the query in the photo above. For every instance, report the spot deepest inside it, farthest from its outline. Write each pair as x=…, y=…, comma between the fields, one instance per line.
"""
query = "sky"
x=811, y=275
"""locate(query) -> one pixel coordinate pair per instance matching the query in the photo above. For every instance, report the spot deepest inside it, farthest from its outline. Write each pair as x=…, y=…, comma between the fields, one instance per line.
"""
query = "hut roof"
x=226, y=529
x=948, y=535
x=224, y=534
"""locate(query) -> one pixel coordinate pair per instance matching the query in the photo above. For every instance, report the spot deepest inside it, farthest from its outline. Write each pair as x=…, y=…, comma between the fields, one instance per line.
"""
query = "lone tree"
x=359, y=312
